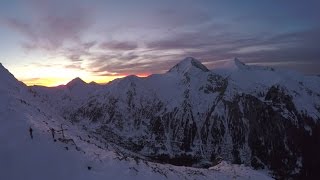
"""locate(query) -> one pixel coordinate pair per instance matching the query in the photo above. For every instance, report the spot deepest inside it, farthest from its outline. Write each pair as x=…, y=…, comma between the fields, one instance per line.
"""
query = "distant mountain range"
x=262, y=117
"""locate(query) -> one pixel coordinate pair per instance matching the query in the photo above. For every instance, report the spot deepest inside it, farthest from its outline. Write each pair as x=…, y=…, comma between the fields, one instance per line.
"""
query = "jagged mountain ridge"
x=262, y=117
x=34, y=132
x=187, y=64
x=258, y=116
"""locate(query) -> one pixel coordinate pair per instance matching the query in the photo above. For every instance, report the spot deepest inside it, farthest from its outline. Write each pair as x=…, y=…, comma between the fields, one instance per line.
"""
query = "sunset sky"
x=51, y=42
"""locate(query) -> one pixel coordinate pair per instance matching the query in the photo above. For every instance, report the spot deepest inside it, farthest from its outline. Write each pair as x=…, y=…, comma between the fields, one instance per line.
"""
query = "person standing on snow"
x=52, y=132
x=30, y=131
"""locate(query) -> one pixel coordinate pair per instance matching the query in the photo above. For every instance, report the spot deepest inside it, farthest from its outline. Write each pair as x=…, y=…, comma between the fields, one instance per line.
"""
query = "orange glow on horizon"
x=49, y=82
x=52, y=82
x=34, y=75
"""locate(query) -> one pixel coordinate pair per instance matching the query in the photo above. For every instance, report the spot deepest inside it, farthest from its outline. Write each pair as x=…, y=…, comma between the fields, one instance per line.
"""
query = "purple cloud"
x=53, y=25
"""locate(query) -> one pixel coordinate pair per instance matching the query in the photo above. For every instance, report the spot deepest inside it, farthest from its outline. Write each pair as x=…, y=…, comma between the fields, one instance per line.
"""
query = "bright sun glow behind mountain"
x=54, y=76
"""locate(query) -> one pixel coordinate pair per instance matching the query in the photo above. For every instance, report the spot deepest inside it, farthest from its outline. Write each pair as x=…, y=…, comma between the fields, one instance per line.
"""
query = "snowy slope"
x=75, y=154
x=64, y=97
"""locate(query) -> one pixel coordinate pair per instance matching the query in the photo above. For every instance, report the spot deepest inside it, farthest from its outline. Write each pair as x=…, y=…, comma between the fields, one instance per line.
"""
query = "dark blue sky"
x=104, y=39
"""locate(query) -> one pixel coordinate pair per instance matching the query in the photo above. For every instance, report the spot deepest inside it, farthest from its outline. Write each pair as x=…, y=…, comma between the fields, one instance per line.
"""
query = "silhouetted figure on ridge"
x=30, y=131
x=52, y=132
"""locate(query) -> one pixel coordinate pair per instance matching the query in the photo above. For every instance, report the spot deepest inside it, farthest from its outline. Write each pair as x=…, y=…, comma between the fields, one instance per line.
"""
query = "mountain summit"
x=7, y=79
x=188, y=64
x=5, y=74
x=76, y=82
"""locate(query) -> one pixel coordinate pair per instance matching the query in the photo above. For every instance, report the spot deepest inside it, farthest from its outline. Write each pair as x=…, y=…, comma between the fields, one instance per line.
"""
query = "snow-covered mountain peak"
x=76, y=82
x=189, y=64
x=235, y=64
x=6, y=78
x=4, y=72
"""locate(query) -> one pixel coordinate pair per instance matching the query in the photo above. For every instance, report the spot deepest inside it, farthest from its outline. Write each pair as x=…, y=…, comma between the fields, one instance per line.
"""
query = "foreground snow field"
x=23, y=158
